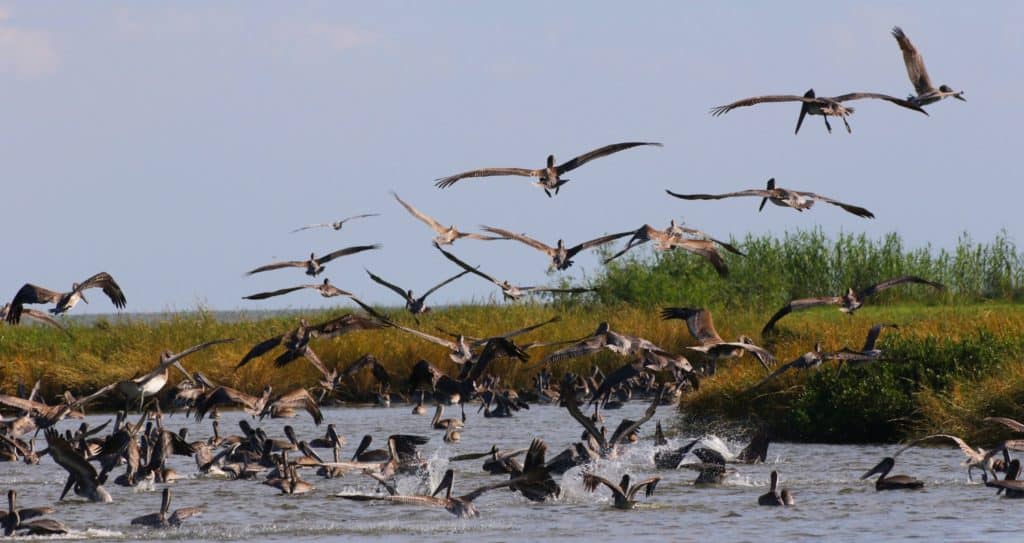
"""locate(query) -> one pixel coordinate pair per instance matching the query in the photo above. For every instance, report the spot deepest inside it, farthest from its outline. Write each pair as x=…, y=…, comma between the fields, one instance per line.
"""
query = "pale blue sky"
x=176, y=145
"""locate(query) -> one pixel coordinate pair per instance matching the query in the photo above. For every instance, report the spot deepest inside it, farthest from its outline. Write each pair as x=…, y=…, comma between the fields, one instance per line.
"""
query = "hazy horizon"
x=177, y=146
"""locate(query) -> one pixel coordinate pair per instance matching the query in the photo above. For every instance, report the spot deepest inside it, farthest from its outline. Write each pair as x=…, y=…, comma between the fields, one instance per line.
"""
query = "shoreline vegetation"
x=956, y=358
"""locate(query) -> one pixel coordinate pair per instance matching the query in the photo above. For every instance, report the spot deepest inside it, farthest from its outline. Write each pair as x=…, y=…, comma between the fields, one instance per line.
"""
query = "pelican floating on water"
x=894, y=482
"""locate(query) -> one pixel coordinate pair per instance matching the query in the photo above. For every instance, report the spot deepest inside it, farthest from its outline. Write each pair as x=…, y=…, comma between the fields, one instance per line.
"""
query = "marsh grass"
x=955, y=359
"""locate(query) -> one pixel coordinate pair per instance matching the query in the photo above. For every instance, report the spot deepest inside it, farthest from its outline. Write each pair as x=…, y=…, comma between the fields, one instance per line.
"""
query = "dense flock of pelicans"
x=142, y=447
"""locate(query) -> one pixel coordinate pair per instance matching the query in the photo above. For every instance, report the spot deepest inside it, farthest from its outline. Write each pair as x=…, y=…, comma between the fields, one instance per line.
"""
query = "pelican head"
x=949, y=90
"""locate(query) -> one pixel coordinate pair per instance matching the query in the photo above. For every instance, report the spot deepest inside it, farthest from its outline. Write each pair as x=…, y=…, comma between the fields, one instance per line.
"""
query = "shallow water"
x=832, y=502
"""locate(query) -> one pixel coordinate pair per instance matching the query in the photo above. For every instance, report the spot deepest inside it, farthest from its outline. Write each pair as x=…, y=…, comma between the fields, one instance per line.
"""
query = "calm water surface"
x=832, y=503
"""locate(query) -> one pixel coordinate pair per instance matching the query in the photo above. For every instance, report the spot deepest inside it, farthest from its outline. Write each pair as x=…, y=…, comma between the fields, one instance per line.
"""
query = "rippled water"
x=832, y=502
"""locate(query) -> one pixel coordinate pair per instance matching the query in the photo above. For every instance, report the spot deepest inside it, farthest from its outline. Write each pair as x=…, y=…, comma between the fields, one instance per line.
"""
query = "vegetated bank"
x=955, y=359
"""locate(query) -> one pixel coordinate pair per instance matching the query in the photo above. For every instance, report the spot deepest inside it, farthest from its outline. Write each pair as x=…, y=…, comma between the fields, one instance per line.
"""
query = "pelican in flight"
x=326, y=289
x=699, y=244
x=781, y=197
x=926, y=91
x=623, y=493
x=814, y=105
x=32, y=294
x=446, y=235
x=336, y=224
x=815, y=358
x=848, y=303
x=549, y=177
x=702, y=328
x=415, y=305
x=976, y=458
x=561, y=256
x=315, y=265
x=508, y=290
x=153, y=382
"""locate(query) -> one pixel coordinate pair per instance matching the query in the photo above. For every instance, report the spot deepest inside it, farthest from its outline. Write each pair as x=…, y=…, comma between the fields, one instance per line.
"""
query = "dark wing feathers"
x=752, y=192
x=346, y=251
x=576, y=162
x=895, y=281
x=446, y=182
x=722, y=110
x=110, y=288
x=856, y=210
x=796, y=305
x=862, y=95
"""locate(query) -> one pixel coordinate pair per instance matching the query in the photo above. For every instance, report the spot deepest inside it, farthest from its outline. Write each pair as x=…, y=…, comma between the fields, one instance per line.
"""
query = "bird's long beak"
x=82, y=296
x=960, y=96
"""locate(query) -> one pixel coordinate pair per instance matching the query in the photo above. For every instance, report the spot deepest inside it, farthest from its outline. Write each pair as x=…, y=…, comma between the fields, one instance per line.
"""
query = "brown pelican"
x=622, y=492
x=44, y=416
x=772, y=497
x=326, y=289
x=289, y=482
x=460, y=506
x=14, y=519
x=814, y=105
x=604, y=338
x=534, y=480
x=153, y=382
x=549, y=177
x=438, y=423
x=702, y=328
x=815, y=358
x=401, y=447
x=32, y=314
x=286, y=404
x=446, y=235
x=926, y=91
x=672, y=237
x=82, y=476
x=32, y=294
x=849, y=302
x=561, y=256
x=331, y=439
x=315, y=265
x=336, y=224
x=508, y=290
x=895, y=482
x=711, y=468
x=976, y=458
x=415, y=305
x=781, y=197
x=161, y=520
x=222, y=395
x=607, y=447
x=419, y=408
x=1013, y=487
x=379, y=372
x=296, y=341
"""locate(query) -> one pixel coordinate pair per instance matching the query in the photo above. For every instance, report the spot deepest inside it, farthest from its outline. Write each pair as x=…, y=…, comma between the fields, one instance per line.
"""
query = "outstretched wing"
x=797, y=305
x=346, y=251
x=751, y=192
x=597, y=241
x=521, y=238
x=1007, y=422
x=895, y=281
x=856, y=210
x=576, y=162
x=465, y=266
x=446, y=182
x=863, y=95
x=30, y=294
x=271, y=294
x=914, y=62
x=587, y=346
x=259, y=349
x=110, y=287
x=722, y=110
x=443, y=283
x=624, y=430
x=698, y=321
x=591, y=481
x=648, y=485
x=309, y=226
x=433, y=224
x=277, y=266
x=380, y=281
